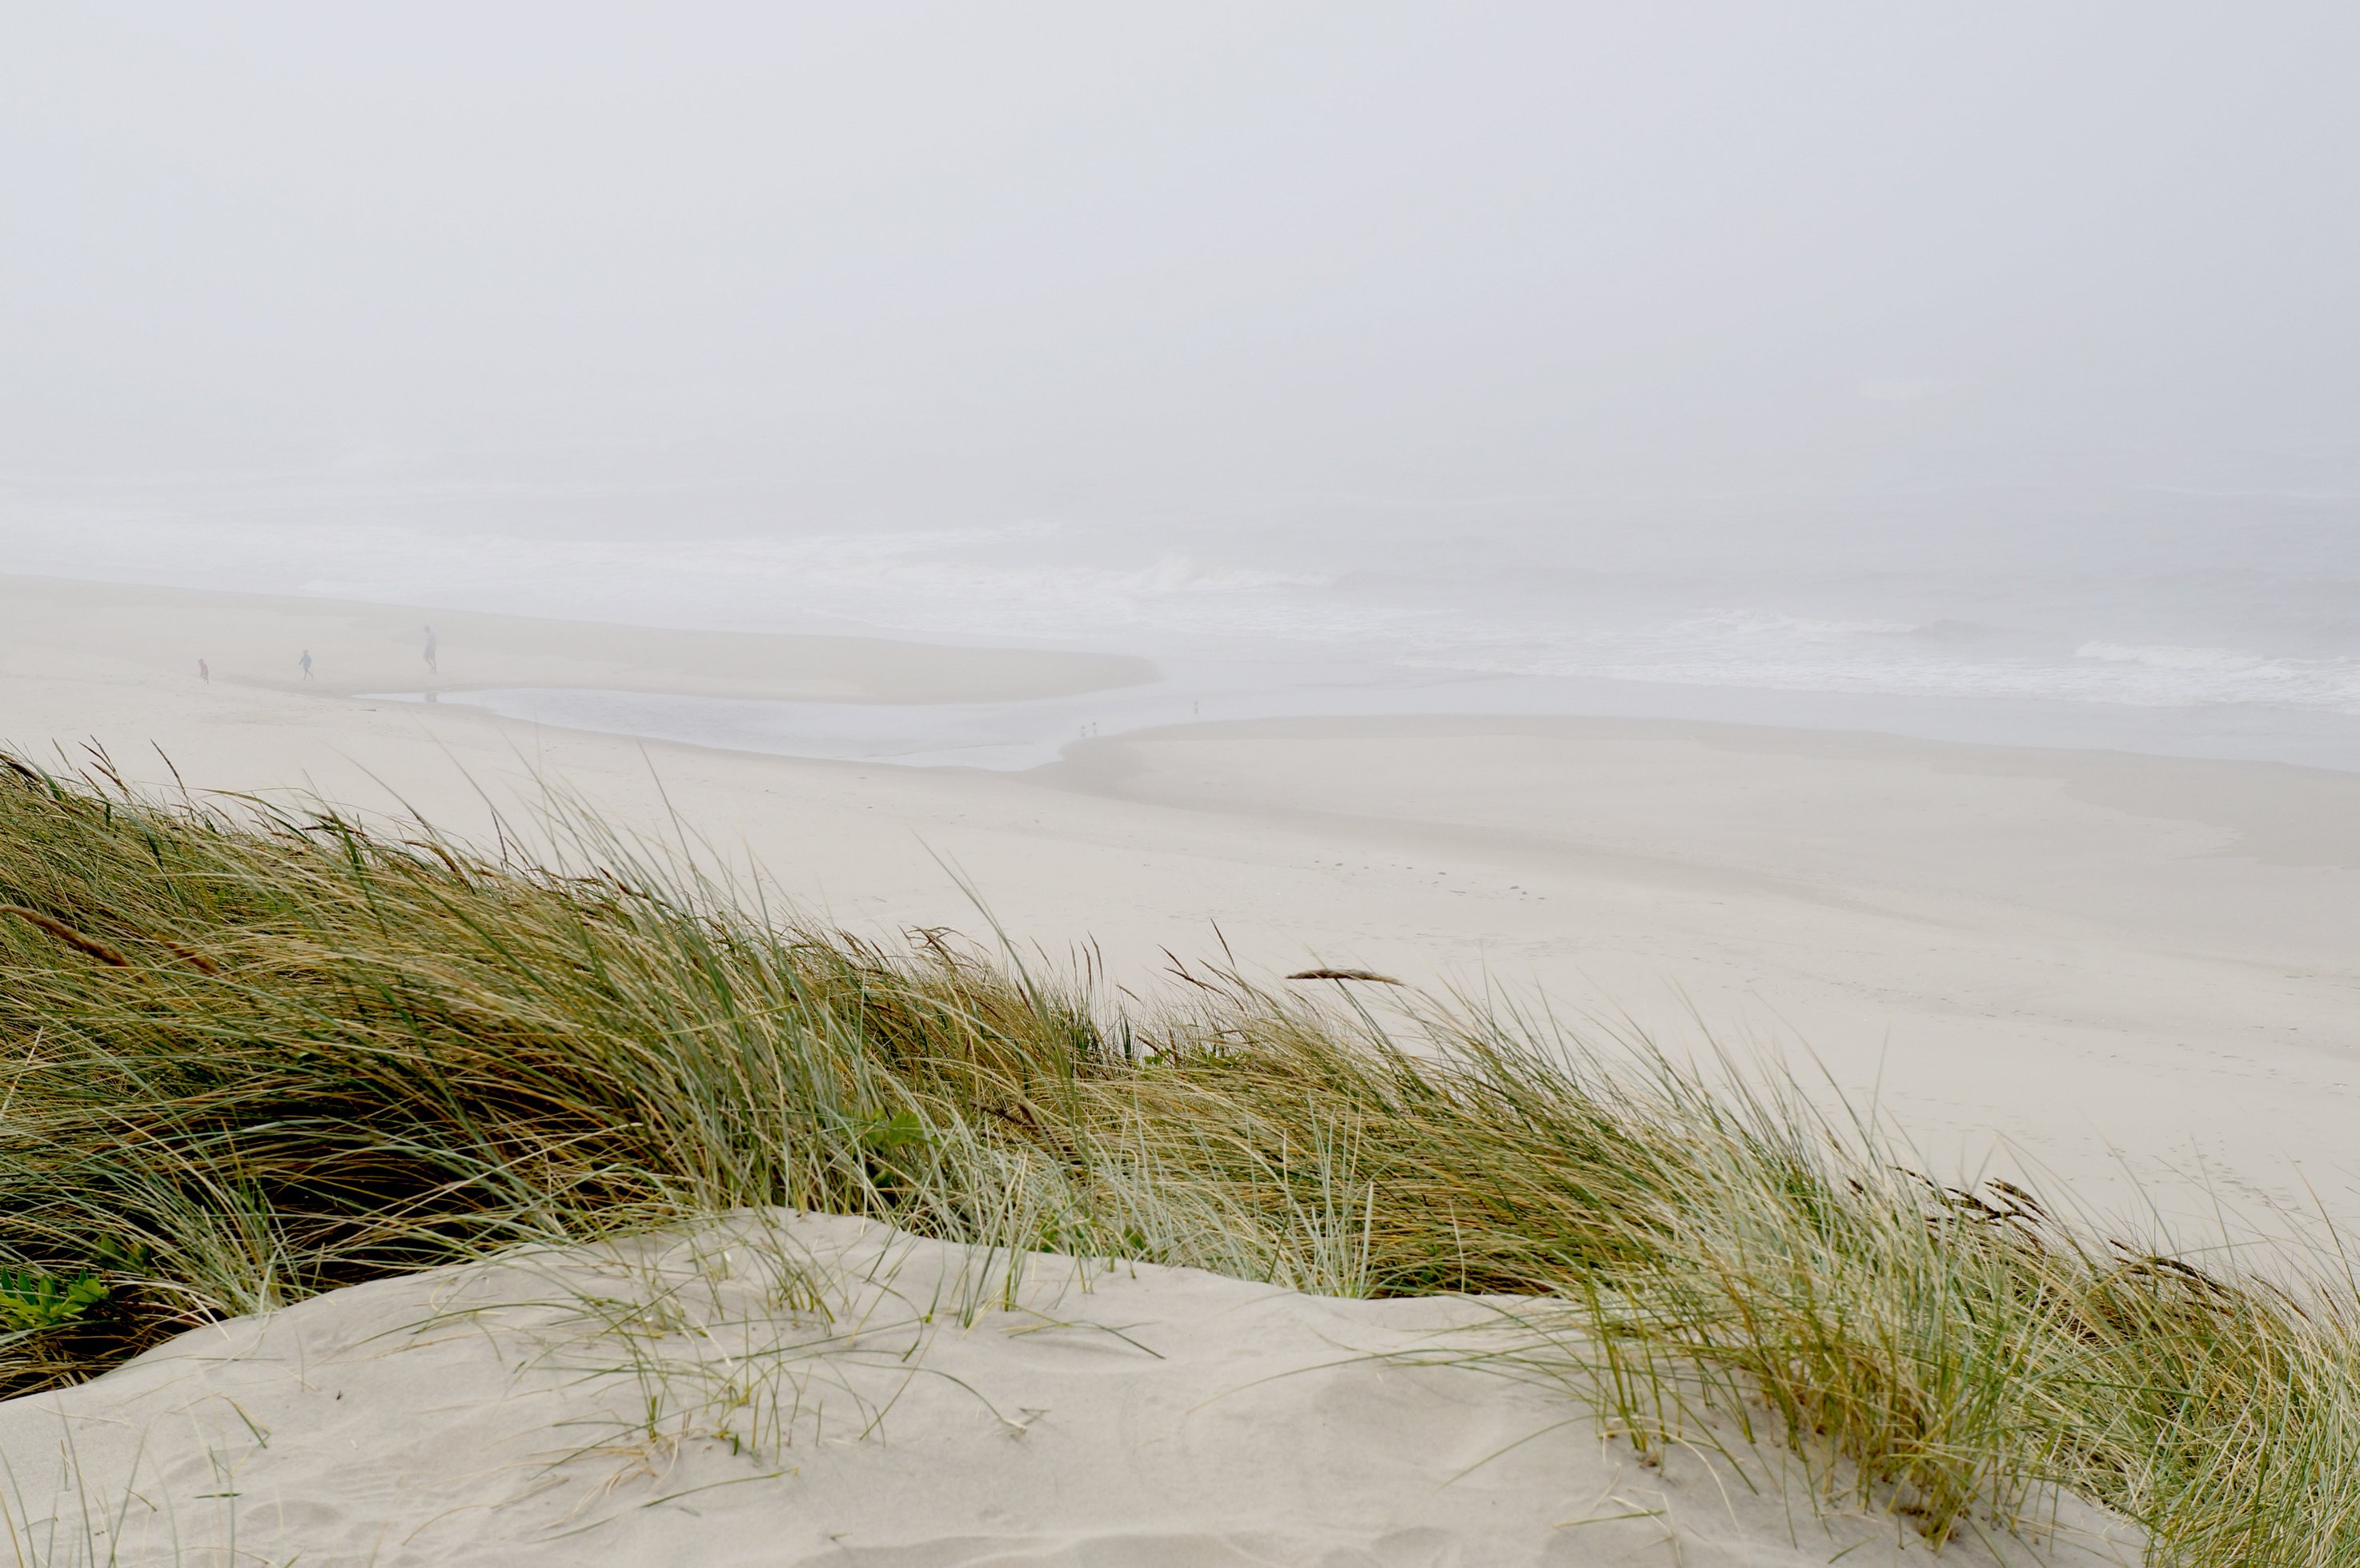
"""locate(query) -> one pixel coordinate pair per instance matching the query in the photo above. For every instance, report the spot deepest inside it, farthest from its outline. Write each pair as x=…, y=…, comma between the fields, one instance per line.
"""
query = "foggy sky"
x=921, y=258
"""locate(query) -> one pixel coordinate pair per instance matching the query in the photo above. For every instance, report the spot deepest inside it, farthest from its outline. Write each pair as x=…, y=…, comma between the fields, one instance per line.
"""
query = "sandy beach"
x=2130, y=974
x=2091, y=965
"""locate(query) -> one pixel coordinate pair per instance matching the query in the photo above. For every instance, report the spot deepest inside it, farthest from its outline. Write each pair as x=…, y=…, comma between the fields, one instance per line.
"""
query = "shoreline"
x=1031, y=730
x=1015, y=705
x=2099, y=965
x=253, y=640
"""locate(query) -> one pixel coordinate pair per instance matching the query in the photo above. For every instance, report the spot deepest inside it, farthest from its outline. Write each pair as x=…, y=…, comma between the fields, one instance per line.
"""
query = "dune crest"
x=789, y=1387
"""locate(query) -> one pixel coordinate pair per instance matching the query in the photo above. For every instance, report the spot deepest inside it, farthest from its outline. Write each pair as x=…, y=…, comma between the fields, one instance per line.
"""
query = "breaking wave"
x=1431, y=601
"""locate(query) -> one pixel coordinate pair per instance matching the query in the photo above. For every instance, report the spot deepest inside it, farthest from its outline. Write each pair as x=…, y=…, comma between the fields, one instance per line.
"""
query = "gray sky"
x=912, y=258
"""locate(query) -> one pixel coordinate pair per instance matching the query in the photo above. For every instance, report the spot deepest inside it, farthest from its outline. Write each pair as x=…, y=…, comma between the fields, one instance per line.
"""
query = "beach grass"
x=255, y=1052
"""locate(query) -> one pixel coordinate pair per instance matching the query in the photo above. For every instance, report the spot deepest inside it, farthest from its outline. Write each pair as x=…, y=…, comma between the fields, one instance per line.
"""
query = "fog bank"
x=606, y=269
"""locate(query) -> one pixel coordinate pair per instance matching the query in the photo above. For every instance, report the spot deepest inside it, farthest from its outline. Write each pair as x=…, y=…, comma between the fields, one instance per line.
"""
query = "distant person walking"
x=306, y=662
x=431, y=669
x=204, y=673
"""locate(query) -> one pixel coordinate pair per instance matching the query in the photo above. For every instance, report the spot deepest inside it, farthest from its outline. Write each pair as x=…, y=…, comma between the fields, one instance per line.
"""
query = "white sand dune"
x=788, y=1389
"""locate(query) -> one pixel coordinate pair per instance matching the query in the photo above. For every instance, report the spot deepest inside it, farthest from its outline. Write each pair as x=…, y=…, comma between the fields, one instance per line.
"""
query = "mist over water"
x=1974, y=375
x=2199, y=623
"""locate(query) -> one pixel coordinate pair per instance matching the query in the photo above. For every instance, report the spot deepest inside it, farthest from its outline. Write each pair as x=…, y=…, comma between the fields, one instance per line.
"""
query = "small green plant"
x=888, y=1138
x=895, y=1149
x=30, y=1301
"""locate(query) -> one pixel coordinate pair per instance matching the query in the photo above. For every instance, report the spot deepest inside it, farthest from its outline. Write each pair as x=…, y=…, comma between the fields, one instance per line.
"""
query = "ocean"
x=2173, y=621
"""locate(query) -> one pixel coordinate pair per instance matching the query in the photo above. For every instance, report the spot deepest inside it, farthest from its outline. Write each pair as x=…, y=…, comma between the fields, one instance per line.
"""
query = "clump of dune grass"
x=254, y=1053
